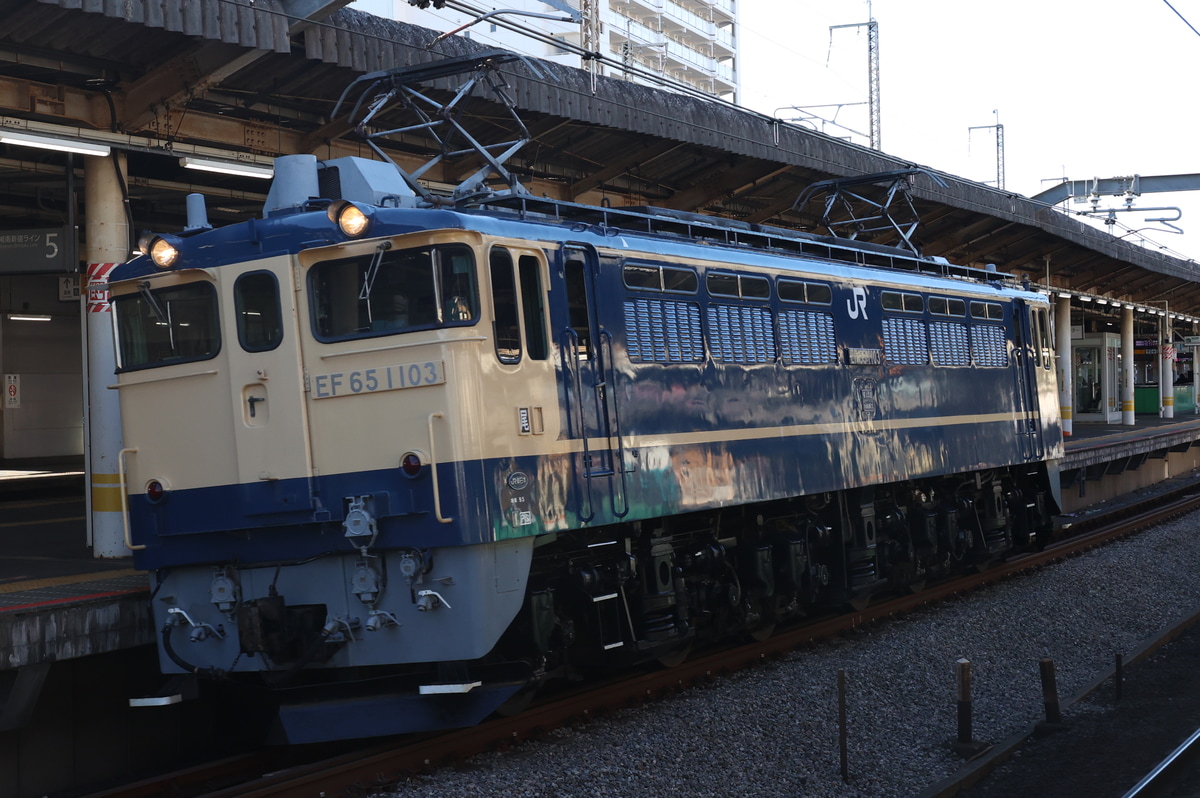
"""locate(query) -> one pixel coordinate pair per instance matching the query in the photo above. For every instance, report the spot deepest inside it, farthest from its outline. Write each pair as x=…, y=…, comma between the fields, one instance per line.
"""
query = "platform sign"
x=1191, y=340
x=12, y=391
x=68, y=288
x=33, y=251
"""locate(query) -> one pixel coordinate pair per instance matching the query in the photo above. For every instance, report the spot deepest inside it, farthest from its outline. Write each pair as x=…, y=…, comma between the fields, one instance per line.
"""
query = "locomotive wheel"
x=675, y=657
x=859, y=603
x=761, y=633
x=519, y=701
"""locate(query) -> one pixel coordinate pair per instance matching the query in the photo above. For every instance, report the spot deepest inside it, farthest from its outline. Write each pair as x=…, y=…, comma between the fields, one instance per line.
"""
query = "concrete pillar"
x=107, y=245
x=1066, y=370
x=1127, y=366
x=1166, y=368
x=1195, y=376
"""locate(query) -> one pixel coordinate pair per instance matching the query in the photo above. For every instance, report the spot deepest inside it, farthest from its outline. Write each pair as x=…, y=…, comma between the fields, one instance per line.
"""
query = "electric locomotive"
x=391, y=466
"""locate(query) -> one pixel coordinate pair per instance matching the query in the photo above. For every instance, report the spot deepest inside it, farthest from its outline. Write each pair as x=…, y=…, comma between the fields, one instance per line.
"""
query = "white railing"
x=724, y=5
x=689, y=18
x=694, y=57
x=651, y=6
x=637, y=31
x=725, y=36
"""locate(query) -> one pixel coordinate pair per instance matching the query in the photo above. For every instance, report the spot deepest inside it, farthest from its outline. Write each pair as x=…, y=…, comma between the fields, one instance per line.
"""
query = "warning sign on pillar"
x=97, y=287
x=12, y=391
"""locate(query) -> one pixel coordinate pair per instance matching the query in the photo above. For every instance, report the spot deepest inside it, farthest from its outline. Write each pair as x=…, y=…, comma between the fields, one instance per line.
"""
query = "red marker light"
x=410, y=464
x=155, y=491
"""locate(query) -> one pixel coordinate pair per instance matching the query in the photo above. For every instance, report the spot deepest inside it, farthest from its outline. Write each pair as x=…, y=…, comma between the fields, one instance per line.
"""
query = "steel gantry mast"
x=872, y=76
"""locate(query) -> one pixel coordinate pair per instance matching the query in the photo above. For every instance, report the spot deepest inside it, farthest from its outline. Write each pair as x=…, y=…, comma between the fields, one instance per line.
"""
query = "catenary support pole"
x=1066, y=371
x=1166, y=367
x=107, y=245
x=1127, y=364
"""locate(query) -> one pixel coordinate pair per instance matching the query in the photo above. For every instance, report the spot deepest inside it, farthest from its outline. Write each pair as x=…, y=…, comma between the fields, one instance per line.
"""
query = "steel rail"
x=1162, y=778
x=389, y=761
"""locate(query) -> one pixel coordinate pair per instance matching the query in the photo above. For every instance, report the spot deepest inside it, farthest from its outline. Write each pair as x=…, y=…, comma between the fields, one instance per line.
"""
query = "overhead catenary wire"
x=1181, y=16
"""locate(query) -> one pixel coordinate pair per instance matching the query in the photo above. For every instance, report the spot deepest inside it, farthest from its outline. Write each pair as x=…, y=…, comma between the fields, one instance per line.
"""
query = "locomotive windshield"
x=166, y=326
x=394, y=291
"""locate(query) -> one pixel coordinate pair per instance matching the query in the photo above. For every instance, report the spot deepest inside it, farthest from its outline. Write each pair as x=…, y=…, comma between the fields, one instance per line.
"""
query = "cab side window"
x=533, y=308
x=506, y=318
x=256, y=304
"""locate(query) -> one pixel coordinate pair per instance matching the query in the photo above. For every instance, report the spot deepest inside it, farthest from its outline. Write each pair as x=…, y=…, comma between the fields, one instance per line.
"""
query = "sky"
x=1083, y=88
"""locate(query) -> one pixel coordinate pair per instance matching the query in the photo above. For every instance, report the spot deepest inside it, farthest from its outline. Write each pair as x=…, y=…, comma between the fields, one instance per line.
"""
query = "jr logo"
x=858, y=303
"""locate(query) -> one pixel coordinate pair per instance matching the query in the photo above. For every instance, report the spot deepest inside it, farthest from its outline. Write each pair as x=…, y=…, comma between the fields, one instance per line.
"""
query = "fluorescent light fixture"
x=227, y=167
x=58, y=145
x=1101, y=301
x=1063, y=295
x=1083, y=298
x=28, y=317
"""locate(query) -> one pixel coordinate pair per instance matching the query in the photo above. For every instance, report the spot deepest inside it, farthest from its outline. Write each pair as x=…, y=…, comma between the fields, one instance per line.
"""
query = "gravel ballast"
x=773, y=730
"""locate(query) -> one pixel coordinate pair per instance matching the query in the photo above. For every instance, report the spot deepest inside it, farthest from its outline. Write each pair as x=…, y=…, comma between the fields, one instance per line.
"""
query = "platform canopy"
x=165, y=79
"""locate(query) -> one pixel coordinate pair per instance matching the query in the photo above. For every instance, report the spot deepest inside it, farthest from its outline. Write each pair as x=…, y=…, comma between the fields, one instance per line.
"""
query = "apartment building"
x=692, y=42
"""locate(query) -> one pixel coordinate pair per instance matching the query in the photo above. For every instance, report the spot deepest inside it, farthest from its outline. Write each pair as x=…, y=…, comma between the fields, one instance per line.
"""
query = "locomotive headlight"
x=352, y=219
x=163, y=253
x=162, y=249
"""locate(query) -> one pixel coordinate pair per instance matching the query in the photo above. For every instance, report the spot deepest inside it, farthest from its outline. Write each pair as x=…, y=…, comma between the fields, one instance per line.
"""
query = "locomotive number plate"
x=384, y=378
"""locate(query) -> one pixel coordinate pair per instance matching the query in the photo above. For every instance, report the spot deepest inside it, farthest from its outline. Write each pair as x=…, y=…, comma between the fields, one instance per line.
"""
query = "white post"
x=107, y=245
x=1166, y=370
x=1127, y=404
x=1195, y=377
x=1066, y=371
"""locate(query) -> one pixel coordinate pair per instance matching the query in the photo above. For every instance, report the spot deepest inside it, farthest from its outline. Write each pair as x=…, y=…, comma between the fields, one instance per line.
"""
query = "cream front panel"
x=266, y=380
x=178, y=417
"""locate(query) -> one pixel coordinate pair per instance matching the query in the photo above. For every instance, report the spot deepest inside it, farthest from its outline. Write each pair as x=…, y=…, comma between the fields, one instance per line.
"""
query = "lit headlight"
x=163, y=253
x=353, y=220
x=162, y=249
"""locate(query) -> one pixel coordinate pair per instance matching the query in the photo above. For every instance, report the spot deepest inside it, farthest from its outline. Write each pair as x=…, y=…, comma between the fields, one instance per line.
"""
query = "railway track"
x=1165, y=779
x=271, y=773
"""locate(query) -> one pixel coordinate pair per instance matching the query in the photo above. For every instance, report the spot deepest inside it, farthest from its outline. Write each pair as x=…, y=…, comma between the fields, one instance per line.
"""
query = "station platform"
x=57, y=602
x=1096, y=443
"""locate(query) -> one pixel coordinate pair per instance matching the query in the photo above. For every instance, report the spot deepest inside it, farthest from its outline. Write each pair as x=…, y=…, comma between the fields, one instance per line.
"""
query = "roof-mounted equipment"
x=378, y=92
x=851, y=213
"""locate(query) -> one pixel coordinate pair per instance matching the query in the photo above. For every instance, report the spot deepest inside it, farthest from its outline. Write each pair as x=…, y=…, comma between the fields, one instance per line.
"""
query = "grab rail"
x=612, y=408
x=437, y=494
x=569, y=350
x=125, y=499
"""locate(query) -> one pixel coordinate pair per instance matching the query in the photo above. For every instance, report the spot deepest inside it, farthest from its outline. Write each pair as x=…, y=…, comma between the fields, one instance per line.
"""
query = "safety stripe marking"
x=34, y=584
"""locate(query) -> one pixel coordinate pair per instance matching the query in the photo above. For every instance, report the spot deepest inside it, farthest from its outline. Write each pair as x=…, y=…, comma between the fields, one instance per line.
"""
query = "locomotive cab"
x=350, y=405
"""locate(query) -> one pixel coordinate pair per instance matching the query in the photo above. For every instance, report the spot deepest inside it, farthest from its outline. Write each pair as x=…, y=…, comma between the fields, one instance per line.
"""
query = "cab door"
x=1025, y=372
x=586, y=352
x=267, y=389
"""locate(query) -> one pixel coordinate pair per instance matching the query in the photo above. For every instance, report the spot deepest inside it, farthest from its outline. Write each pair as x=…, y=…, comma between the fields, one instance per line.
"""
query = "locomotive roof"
x=652, y=231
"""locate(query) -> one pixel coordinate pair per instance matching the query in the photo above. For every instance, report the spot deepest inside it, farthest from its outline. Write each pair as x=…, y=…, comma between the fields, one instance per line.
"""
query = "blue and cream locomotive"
x=393, y=465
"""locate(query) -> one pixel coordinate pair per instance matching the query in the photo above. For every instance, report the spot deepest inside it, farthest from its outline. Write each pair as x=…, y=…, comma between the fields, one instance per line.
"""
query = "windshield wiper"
x=152, y=301
x=368, y=282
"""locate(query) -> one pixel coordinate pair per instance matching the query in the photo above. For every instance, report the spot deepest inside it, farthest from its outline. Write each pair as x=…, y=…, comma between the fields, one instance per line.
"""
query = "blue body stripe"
x=212, y=524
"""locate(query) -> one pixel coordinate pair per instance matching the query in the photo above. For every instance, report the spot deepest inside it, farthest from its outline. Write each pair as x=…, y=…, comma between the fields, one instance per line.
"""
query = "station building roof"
x=165, y=78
